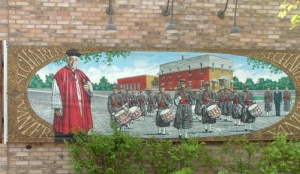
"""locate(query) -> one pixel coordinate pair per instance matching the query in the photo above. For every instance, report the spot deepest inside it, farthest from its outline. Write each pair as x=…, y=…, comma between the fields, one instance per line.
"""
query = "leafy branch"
x=108, y=57
x=287, y=7
x=256, y=63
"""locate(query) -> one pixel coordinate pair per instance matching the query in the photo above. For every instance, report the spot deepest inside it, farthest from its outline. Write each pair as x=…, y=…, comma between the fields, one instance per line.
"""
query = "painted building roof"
x=192, y=63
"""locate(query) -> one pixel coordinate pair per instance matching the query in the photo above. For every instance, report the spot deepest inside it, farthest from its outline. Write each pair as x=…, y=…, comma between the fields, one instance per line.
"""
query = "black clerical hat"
x=73, y=52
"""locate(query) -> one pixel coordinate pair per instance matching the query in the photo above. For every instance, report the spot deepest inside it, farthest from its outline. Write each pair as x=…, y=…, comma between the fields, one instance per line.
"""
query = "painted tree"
x=249, y=81
x=104, y=85
x=261, y=84
x=154, y=82
x=285, y=81
x=290, y=7
x=36, y=82
x=237, y=83
x=49, y=80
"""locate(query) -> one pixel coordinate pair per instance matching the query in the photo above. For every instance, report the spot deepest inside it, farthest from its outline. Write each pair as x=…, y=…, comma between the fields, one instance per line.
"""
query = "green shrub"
x=124, y=153
x=238, y=156
x=281, y=156
x=115, y=154
x=166, y=157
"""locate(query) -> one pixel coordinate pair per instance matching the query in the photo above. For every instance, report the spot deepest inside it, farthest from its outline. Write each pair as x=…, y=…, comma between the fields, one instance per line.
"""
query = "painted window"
x=222, y=69
x=201, y=68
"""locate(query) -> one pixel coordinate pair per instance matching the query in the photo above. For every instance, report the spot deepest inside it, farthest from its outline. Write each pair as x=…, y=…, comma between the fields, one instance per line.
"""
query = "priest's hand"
x=58, y=112
x=86, y=87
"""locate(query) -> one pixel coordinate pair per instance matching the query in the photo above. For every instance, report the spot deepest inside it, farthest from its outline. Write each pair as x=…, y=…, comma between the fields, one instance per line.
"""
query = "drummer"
x=198, y=106
x=150, y=103
x=125, y=96
x=183, y=117
x=236, y=107
x=115, y=104
x=141, y=98
x=162, y=101
x=246, y=100
x=227, y=97
x=207, y=99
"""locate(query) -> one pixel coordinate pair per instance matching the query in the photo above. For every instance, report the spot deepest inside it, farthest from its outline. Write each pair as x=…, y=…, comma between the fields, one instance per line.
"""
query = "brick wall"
x=42, y=158
x=140, y=24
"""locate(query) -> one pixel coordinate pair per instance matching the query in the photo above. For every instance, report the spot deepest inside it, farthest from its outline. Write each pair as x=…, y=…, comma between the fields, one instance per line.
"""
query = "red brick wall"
x=195, y=77
x=133, y=83
x=140, y=23
x=42, y=158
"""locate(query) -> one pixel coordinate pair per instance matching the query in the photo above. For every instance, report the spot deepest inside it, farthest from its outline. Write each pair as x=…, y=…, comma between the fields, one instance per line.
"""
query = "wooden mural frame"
x=24, y=61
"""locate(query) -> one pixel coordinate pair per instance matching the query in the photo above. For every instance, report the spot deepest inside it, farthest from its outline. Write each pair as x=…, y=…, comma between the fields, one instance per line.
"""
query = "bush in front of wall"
x=99, y=154
x=238, y=155
x=124, y=153
x=165, y=156
x=280, y=156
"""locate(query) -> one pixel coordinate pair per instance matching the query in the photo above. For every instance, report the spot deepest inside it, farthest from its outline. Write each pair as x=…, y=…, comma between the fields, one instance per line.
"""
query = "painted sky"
x=147, y=63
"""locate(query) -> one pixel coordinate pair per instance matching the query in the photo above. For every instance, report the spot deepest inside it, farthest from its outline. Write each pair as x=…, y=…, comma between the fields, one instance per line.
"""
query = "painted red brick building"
x=218, y=71
x=134, y=83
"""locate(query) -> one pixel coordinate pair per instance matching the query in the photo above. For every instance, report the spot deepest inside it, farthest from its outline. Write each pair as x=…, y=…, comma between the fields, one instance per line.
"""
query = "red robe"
x=72, y=120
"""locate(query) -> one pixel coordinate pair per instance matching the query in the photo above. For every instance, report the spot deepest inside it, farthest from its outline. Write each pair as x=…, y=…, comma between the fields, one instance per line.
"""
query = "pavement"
x=40, y=102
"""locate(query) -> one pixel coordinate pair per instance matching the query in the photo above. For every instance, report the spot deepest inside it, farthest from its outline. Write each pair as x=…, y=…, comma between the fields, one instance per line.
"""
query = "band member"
x=246, y=99
x=220, y=100
x=268, y=99
x=115, y=104
x=125, y=96
x=207, y=98
x=162, y=101
x=150, y=103
x=236, y=107
x=277, y=101
x=183, y=100
x=132, y=100
x=227, y=98
x=287, y=100
x=198, y=106
x=141, y=99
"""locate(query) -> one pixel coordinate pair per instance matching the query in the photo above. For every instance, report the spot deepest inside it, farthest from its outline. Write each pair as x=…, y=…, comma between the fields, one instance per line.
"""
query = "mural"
x=160, y=94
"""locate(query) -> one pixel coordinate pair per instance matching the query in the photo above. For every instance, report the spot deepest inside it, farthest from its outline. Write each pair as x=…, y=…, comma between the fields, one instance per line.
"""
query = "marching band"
x=210, y=105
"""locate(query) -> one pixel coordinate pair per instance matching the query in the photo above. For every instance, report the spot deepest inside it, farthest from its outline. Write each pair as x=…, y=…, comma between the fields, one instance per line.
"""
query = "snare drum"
x=167, y=115
x=135, y=112
x=214, y=111
x=254, y=110
x=123, y=116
